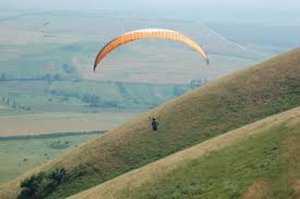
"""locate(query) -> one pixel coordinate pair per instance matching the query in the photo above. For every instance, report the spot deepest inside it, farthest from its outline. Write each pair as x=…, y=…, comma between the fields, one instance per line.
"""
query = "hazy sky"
x=120, y=4
x=206, y=8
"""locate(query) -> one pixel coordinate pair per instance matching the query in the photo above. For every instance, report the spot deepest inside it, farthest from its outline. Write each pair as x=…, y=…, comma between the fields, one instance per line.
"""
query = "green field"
x=18, y=155
x=41, y=96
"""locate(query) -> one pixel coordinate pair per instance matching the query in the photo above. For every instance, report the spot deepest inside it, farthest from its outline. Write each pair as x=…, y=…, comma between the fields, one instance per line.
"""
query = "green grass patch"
x=227, y=174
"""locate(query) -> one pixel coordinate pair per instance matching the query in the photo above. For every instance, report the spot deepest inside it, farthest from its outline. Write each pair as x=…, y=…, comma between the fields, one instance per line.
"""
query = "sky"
x=121, y=4
x=205, y=8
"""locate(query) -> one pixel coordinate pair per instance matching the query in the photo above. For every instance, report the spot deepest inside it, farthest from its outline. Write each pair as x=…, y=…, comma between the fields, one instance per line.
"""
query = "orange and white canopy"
x=144, y=34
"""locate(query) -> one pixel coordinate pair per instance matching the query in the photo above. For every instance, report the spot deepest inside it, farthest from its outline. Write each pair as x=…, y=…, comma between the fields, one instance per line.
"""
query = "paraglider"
x=154, y=124
x=164, y=34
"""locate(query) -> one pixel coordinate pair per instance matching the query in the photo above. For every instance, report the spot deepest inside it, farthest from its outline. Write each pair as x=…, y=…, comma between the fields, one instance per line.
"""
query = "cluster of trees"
x=89, y=98
x=47, y=77
x=198, y=83
x=128, y=97
x=69, y=69
x=3, y=77
x=40, y=185
x=11, y=102
x=95, y=101
x=51, y=77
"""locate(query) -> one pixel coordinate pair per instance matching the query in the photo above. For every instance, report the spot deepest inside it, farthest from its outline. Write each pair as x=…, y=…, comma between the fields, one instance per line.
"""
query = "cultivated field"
x=17, y=155
x=46, y=123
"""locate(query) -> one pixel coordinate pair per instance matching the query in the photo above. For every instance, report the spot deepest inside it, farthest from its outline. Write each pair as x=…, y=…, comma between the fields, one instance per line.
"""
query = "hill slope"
x=226, y=104
x=263, y=156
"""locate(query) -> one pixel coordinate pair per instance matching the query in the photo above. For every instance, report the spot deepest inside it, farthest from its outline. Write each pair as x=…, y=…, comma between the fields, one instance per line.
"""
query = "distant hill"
x=221, y=106
x=260, y=160
x=65, y=50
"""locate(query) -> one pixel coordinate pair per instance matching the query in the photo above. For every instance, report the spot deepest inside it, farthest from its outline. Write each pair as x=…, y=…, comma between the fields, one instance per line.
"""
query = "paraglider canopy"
x=148, y=33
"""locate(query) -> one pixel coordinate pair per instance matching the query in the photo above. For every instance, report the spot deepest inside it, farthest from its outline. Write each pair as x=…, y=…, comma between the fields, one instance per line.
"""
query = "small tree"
x=14, y=105
x=33, y=187
x=3, y=77
x=40, y=185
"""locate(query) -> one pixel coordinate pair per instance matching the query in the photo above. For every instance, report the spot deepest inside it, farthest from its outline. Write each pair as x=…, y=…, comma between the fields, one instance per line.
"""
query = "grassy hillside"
x=226, y=104
x=260, y=160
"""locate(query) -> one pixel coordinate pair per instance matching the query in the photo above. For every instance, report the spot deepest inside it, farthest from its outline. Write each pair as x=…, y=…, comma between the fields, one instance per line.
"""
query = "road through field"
x=46, y=123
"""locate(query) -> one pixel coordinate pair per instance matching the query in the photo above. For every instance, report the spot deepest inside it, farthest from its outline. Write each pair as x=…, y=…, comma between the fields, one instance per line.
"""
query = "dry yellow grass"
x=259, y=190
x=153, y=171
x=296, y=186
